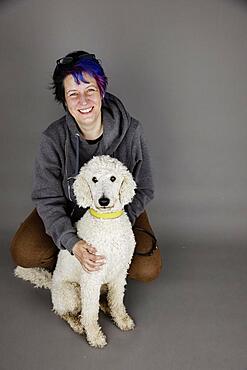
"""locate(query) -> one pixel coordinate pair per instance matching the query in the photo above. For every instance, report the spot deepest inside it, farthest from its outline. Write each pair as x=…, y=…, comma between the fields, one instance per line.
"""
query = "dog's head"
x=105, y=184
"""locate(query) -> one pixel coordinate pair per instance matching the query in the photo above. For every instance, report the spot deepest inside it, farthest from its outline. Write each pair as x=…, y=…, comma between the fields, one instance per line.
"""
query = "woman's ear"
x=127, y=189
x=82, y=191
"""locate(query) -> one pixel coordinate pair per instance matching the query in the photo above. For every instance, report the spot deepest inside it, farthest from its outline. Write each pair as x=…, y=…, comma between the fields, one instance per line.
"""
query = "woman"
x=95, y=123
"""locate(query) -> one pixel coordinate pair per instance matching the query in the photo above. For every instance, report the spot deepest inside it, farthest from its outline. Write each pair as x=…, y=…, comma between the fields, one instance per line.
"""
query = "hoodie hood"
x=116, y=122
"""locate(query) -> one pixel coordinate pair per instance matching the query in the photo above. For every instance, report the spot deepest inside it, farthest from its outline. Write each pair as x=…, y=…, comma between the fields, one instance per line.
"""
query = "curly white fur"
x=75, y=291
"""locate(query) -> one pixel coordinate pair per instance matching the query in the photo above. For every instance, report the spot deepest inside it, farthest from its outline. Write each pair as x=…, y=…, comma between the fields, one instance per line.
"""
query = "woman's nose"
x=83, y=99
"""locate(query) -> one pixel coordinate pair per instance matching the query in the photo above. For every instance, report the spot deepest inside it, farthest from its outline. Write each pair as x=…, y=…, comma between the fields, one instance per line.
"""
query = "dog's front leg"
x=116, y=305
x=90, y=293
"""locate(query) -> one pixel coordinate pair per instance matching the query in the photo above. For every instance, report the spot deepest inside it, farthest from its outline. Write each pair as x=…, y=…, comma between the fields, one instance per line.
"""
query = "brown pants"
x=32, y=247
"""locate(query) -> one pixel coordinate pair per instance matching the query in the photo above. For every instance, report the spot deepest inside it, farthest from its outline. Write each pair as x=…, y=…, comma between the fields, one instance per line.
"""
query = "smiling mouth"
x=85, y=111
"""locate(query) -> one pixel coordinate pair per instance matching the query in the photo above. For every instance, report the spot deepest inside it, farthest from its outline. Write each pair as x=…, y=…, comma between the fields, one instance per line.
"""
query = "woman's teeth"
x=85, y=110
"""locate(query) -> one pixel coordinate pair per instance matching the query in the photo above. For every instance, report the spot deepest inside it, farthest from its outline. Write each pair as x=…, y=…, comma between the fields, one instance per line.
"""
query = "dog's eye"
x=94, y=179
x=113, y=178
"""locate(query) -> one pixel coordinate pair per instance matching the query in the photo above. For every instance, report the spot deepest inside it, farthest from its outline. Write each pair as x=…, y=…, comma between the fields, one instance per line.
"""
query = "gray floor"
x=194, y=317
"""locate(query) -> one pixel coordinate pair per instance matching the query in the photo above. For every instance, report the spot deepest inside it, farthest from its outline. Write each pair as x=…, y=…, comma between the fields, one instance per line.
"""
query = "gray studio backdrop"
x=178, y=66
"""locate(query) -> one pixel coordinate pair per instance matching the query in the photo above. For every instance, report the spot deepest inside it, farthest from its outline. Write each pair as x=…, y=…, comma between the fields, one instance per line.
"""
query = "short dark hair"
x=82, y=62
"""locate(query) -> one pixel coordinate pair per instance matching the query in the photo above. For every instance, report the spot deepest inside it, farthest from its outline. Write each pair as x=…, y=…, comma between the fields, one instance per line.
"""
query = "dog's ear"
x=82, y=191
x=127, y=189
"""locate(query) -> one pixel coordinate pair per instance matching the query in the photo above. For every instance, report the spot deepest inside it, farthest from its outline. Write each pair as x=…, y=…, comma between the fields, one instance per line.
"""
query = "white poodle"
x=105, y=185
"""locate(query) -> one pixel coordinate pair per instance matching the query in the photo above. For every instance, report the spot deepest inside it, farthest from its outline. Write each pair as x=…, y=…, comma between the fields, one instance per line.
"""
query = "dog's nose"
x=104, y=201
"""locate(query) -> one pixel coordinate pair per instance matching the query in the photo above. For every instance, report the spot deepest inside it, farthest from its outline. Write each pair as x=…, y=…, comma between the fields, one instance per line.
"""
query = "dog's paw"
x=97, y=340
x=125, y=322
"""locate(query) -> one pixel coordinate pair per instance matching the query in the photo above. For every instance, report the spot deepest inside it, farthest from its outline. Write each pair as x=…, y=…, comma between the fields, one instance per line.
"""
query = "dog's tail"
x=40, y=277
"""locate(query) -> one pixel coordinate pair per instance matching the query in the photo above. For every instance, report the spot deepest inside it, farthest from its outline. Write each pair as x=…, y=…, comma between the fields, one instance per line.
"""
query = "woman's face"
x=83, y=101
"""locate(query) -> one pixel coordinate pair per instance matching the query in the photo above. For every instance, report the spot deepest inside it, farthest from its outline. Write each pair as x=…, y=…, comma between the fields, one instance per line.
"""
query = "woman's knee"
x=153, y=271
x=24, y=258
x=146, y=268
x=14, y=251
x=31, y=247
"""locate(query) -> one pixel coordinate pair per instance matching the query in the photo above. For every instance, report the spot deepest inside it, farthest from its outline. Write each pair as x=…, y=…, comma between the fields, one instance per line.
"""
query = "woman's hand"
x=86, y=255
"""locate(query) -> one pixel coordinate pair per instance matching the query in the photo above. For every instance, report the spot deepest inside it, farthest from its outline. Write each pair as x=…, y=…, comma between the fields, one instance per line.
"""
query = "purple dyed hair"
x=82, y=62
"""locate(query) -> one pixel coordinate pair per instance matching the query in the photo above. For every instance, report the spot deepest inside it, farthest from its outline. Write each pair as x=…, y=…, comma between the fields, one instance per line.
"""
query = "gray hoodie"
x=63, y=151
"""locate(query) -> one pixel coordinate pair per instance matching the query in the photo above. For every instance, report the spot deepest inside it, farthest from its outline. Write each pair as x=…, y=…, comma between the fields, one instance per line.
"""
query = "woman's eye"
x=74, y=94
x=94, y=179
x=113, y=178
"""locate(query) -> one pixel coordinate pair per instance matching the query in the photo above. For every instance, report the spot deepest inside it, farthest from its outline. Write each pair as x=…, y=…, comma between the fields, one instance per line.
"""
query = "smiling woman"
x=83, y=101
x=95, y=123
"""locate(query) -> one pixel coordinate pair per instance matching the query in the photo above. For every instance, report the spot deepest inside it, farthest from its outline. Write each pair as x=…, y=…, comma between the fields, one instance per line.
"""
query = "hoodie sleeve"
x=142, y=175
x=48, y=195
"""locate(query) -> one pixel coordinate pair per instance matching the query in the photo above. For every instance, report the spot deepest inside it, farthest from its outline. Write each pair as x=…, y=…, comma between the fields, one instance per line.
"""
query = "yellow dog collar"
x=105, y=215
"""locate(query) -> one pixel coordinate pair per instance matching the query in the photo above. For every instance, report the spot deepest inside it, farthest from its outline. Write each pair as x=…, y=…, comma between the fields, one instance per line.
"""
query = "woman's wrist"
x=80, y=243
